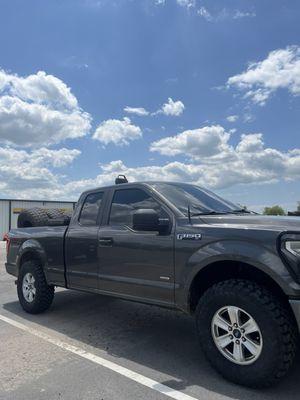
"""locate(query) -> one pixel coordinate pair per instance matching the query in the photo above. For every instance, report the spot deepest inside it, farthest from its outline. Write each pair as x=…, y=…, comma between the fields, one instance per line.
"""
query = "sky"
x=180, y=90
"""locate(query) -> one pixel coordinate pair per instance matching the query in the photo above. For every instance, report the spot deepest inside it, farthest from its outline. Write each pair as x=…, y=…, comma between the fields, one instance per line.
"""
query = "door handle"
x=106, y=241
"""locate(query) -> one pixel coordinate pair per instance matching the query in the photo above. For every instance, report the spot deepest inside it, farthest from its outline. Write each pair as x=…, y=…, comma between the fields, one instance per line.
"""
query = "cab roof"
x=128, y=185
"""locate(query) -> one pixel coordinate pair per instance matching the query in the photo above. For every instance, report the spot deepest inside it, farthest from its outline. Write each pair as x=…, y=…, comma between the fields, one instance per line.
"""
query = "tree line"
x=278, y=210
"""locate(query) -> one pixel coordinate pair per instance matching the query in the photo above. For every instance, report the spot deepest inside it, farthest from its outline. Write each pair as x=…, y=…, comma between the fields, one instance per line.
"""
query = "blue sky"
x=212, y=91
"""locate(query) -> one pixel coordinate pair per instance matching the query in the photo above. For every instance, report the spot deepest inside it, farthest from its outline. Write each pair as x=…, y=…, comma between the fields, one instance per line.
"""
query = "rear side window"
x=126, y=201
x=90, y=209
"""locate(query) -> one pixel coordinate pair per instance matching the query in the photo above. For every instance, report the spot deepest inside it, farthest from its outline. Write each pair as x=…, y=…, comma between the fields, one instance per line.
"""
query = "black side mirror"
x=145, y=220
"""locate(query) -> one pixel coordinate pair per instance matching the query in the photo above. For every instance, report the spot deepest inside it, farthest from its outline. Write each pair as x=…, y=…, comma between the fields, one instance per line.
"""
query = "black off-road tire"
x=33, y=217
x=59, y=215
x=44, y=293
x=68, y=215
x=54, y=213
x=276, y=323
x=56, y=217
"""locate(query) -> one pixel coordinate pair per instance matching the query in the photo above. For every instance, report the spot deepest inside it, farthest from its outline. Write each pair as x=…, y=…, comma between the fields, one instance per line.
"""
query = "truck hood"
x=253, y=221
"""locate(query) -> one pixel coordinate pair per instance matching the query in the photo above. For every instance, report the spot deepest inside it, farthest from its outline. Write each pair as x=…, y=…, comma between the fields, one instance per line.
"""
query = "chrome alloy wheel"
x=28, y=287
x=236, y=335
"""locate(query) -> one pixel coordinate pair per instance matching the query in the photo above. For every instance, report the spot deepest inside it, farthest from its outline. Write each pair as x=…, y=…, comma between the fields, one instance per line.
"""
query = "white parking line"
x=143, y=380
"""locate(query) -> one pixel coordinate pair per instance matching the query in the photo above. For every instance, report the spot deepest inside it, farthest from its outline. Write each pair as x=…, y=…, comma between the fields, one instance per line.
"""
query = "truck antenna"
x=189, y=213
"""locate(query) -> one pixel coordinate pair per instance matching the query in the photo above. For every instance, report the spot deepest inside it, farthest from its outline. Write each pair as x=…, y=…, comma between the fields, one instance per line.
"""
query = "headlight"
x=293, y=247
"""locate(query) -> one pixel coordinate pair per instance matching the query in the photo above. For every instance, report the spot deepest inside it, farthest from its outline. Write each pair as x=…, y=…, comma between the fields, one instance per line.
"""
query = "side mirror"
x=145, y=220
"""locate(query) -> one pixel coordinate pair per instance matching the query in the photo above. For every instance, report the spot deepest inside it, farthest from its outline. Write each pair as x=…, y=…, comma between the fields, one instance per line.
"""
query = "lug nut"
x=243, y=330
x=231, y=337
x=243, y=339
x=235, y=325
x=237, y=342
x=229, y=328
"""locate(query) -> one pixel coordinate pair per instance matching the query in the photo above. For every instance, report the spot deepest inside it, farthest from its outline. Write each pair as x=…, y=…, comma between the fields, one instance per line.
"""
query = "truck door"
x=135, y=264
x=81, y=243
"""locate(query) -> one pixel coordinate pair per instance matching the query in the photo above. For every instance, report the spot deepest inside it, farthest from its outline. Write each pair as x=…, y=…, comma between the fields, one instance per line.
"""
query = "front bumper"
x=295, y=304
x=11, y=269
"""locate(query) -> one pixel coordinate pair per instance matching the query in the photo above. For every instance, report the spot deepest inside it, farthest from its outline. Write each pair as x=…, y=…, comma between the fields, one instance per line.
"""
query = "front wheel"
x=35, y=295
x=246, y=333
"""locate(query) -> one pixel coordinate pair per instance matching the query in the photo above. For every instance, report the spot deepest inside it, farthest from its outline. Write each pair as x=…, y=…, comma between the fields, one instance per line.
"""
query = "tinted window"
x=90, y=209
x=126, y=201
x=199, y=199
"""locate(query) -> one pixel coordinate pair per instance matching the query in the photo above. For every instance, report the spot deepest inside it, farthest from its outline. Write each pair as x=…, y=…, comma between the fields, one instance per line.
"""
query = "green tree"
x=274, y=210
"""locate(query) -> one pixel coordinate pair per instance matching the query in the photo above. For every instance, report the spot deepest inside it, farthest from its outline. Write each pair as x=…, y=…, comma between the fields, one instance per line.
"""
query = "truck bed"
x=50, y=242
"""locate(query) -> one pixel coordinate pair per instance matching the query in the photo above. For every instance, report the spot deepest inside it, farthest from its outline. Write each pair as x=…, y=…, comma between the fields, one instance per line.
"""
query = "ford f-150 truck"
x=181, y=246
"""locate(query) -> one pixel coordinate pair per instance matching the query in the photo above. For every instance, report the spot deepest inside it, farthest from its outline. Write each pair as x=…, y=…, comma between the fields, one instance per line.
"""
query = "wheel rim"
x=28, y=287
x=236, y=335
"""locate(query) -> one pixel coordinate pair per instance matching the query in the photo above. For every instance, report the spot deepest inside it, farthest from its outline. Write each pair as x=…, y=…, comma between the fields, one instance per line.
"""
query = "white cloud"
x=280, y=70
x=203, y=12
x=183, y=3
x=211, y=16
x=55, y=158
x=29, y=124
x=248, y=117
x=221, y=165
x=224, y=14
x=39, y=110
x=250, y=163
x=24, y=174
x=186, y=3
x=22, y=171
x=243, y=14
x=250, y=143
x=42, y=89
x=118, y=132
x=232, y=118
x=173, y=108
x=197, y=143
x=140, y=111
x=38, y=158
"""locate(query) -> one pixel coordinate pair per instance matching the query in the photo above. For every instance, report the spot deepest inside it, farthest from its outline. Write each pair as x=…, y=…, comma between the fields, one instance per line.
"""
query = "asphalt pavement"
x=96, y=347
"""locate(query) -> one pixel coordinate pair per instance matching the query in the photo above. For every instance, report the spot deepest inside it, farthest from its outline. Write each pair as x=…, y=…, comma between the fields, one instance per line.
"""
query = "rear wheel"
x=35, y=295
x=246, y=333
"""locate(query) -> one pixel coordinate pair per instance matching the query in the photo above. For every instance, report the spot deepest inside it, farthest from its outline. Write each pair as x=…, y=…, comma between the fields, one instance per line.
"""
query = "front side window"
x=90, y=209
x=126, y=202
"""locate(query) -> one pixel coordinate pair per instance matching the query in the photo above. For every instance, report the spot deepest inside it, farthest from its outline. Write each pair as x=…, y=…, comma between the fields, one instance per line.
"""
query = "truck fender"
x=31, y=247
x=253, y=254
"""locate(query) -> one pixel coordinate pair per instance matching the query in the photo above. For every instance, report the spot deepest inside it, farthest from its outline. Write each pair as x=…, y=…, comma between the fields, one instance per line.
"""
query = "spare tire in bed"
x=33, y=217
x=54, y=213
x=62, y=217
x=68, y=215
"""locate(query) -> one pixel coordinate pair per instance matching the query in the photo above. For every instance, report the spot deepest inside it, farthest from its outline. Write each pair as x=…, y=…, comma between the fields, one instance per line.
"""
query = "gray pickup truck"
x=180, y=246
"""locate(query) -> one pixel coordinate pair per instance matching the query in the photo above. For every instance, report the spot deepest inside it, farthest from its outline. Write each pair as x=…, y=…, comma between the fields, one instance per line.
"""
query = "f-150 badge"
x=189, y=236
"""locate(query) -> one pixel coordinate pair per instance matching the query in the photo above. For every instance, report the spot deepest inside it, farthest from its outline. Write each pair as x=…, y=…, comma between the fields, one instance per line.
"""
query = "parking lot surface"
x=96, y=347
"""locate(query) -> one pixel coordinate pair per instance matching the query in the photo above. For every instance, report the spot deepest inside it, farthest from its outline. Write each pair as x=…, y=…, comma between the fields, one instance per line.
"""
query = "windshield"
x=199, y=200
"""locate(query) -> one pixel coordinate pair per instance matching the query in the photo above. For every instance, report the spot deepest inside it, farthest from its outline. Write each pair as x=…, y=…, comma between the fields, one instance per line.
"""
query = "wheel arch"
x=228, y=269
x=31, y=251
x=30, y=255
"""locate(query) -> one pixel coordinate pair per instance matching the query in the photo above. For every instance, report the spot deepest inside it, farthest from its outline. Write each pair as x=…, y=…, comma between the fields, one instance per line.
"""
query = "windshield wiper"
x=244, y=211
x=210, y=213
x=241, y=210
x=222, y=212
